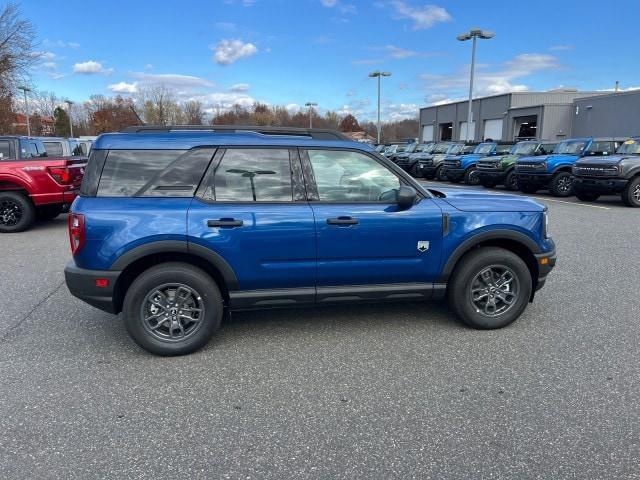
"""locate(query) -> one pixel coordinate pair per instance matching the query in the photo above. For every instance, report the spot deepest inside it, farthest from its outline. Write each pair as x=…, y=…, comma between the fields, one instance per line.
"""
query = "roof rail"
x=315, y=133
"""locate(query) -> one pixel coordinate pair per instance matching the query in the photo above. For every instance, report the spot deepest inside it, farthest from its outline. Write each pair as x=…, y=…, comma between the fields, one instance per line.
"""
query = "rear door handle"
x=342, y=221
x=225, y=222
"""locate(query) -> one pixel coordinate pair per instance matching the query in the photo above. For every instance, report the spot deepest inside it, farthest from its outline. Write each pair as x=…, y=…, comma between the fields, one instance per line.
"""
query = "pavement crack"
x=11, y=329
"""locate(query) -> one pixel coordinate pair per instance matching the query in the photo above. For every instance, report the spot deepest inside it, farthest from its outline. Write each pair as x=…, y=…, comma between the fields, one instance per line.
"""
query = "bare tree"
x=159, y=106
x=17, y=48
x=193, y=113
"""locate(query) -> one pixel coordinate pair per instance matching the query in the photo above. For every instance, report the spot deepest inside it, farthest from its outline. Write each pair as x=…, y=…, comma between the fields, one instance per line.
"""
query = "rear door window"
x=5, y=149
x=54, y=149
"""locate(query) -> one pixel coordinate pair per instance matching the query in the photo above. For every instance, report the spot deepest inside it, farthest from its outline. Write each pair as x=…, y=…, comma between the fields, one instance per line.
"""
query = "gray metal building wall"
x=556, y=122
x=612, y=115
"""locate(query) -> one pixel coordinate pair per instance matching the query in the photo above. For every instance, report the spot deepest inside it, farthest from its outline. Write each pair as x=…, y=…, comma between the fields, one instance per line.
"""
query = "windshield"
x=524, y=148
x=448, y=148
x=380, y=148
x=411, y=148
x=484, y=148
x=571, y=147
x=391, y=149
x=401, y=148
x=425, y=148
x=630, y=147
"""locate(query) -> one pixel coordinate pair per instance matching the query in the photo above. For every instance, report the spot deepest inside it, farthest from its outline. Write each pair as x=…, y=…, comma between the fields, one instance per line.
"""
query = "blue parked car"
x=175, y=227
x=459, y=168
x=553, y=172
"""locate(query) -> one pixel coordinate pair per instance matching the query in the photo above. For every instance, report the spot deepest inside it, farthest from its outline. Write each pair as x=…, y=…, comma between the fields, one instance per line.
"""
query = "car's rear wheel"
x=561, y=185
x=17, y=213
x=172, y=309
x=631, y=193
x=586, y=196
x=472, y=176
x=441, y=174
x=489, y=288
x=415, y=171
x=511, y=181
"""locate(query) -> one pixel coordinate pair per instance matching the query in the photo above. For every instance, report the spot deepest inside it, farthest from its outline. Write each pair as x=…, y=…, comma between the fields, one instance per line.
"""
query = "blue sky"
x=289, y=52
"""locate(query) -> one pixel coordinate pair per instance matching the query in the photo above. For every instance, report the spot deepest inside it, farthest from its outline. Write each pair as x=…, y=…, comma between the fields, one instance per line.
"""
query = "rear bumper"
x=600, y=185
x=546, y=262
x=534, y=178
x=64, y=197
x=82, y=284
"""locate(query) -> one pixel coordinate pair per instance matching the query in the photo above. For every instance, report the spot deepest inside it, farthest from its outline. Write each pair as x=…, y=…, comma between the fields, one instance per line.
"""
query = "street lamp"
x=310, y=105
x=473, y=34
x=378, y=74
x=26, y=108
x=69, y=103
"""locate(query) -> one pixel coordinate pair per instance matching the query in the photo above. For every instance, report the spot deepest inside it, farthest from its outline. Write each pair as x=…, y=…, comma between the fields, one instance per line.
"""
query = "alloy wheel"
x=172, y=312
x=636, y=193
x=494, y=290
x=564, y=184
x=10, y=212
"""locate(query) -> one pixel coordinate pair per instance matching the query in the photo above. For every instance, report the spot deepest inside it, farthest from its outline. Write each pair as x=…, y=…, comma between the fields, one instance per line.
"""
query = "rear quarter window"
x=54, y=149
x=5, y=149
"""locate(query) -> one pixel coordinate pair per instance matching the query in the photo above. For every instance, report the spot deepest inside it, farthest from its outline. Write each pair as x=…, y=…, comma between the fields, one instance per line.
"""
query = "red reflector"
x=102, y=282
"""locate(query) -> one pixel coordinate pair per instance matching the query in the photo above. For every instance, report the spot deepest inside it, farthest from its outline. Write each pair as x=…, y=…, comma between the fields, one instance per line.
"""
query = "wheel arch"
x=136, y=261
x=516, y=242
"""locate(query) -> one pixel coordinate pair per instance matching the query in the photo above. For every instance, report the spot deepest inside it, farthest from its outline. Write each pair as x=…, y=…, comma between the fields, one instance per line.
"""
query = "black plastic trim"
x=271, y=298
x=396, y=291
x=81, y=284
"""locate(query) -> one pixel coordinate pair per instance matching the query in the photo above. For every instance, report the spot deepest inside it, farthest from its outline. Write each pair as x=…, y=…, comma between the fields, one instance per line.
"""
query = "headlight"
x=545, y=225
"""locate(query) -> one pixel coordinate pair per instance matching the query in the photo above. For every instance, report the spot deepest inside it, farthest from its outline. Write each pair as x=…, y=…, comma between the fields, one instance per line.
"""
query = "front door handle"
x=225, y=222
x=342, y=221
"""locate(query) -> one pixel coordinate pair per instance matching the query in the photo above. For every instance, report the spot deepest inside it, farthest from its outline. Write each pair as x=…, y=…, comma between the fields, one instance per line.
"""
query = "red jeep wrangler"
x=33, y=185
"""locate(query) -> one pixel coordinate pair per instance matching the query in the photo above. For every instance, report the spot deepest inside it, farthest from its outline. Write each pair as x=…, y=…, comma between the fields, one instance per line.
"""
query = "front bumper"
x=454, y=173
x=600, y=185
x=82, y=284
x=534, y=178
x=546, y=261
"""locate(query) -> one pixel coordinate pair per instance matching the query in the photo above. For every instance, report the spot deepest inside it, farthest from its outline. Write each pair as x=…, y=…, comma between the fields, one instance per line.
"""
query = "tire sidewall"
x=511, y=181
x=627, y=194
x=173, y=273
x=555, y=185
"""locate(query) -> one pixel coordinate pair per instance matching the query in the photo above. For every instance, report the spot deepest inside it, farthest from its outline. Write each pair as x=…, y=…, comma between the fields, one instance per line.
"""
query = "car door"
x=364, y=240
x=251, y=210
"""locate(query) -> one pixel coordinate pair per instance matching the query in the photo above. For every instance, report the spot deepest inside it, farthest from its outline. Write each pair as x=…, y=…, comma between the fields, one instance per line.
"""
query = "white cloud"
x=401, y=111
x=329, y=3
x=230, y=51
x=293, y=107
x=240, y=87
x=422, y=17
x=91, y=68
x=399, y=53
x=50, y=65
x=493, y=82
x=181, y=83
x=60, y=44
x=123, y=87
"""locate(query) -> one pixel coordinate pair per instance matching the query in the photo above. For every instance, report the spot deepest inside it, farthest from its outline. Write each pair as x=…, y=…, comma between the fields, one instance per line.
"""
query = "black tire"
x=472, y=176
x=487, y=184
x=48, y=212
x=164, y=277
x=527, y=188
x=561, y=185
x=464, y=279
x=631, y=193
x=441, y=174
x=415, y=171
x=17, y=213
x=586, y=196
x=511, y=181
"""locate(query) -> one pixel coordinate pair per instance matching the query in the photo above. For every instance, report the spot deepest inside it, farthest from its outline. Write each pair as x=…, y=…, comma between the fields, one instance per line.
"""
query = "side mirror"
x=406, y=197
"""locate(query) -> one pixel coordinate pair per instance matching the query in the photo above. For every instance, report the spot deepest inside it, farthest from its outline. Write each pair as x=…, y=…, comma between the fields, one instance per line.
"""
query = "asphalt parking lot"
x=380, y=391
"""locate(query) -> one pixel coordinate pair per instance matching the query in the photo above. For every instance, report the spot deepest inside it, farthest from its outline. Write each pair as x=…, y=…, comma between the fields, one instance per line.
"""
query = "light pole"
x=69, y=103
x=310, y=105
x=473, y=34
x=26, y=108
x=378, y=74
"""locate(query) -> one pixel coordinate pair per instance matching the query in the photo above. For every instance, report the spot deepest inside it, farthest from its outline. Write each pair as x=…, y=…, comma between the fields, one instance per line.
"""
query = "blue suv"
x=174, y=227
x=464, y=167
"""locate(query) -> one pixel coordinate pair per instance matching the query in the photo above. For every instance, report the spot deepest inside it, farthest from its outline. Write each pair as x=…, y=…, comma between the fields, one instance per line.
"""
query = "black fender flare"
x=501, y=234
x=179, y=246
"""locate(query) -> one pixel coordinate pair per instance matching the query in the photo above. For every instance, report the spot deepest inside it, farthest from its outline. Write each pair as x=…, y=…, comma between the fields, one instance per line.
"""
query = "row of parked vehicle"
x=584, y=167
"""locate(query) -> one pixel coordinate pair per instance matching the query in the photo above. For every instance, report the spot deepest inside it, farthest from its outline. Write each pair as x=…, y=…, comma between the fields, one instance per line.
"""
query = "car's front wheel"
x=631, y=193
x=172, y=309
x=587, y=196
x=511, y=182
x=489, y=288
x=561, y=185
x=415, y=171
x=472, y=176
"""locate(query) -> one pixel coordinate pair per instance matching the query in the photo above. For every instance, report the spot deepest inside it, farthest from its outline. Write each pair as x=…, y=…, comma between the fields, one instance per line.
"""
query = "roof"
x=184, y=138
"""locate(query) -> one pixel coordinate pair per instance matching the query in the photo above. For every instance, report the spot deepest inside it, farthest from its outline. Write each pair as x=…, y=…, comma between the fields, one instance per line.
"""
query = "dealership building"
x=552, y=115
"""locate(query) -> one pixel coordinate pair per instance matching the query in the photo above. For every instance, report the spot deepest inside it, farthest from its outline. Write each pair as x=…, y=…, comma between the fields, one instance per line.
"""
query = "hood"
x=478, y=201
x=545, y=158
x=606, y=160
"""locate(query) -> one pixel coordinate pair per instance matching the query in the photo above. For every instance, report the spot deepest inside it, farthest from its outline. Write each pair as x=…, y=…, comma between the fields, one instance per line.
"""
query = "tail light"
x=77, y=232
x=62, y=175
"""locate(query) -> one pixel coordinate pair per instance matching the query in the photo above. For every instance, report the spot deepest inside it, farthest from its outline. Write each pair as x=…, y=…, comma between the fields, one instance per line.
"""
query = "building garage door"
x=493, y=129
x=427, y=133
x=463, y=131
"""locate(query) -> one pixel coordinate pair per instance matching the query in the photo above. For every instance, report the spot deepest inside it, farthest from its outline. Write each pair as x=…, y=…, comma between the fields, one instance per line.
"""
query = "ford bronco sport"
x=173, y=227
